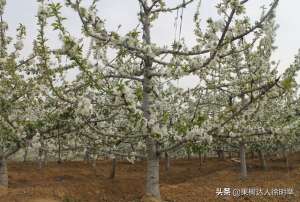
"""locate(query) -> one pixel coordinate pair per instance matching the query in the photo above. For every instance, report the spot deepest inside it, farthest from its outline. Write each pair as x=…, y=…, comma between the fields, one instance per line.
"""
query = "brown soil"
x=184, y=182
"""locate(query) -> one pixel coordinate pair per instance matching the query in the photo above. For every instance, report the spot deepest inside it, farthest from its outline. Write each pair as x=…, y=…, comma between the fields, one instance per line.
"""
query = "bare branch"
x=182, y=5
x=123, y=77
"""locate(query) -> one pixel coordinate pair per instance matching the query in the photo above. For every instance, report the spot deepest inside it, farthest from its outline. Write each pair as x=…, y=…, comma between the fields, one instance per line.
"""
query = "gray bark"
x=25, y=153
x=3, y=172
x=243, y=164
x=152, y=176
x=286, y=158
x=152, y=179
x=87, y=155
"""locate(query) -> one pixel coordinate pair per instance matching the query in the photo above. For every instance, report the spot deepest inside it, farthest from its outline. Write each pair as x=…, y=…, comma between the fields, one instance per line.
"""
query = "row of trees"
x=123, y=101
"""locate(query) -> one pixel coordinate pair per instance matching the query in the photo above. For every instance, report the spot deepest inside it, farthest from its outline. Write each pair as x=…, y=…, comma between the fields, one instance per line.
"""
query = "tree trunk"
x=167, y=161
x=230, y=154
x=152, y=175
x=45, y=161
x=204, y=157
x=113, y=168
x=95, y=158
x=87, y=155
x=59, y=151
x=152, y=179
x=40, y=158
x=188, y=154
x=41, y=152
x=221, y=155
x=200, y=158
x=25, y=153
x=262, y=159
x=286, y=158
x=3, y=173
x=243, y=161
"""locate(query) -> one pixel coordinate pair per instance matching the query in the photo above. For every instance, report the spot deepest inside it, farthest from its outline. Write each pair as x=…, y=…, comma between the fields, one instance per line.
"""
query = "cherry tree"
x=123, y=101
x=256, y=75
x=144, y=67
x=19, y=95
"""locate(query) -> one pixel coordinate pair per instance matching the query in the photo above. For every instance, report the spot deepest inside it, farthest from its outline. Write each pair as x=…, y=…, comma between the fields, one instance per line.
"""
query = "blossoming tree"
x=139, y=71
x=123, y=102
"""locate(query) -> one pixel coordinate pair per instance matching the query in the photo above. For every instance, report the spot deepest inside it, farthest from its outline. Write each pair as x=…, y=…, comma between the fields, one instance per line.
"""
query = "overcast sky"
x=124, y=12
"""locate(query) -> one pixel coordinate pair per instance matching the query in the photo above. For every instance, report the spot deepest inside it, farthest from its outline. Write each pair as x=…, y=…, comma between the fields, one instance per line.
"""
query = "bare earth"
x=185, y=182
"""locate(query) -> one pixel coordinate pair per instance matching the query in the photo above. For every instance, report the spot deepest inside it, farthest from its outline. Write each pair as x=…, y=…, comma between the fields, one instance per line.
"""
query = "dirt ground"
x=184, y=182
